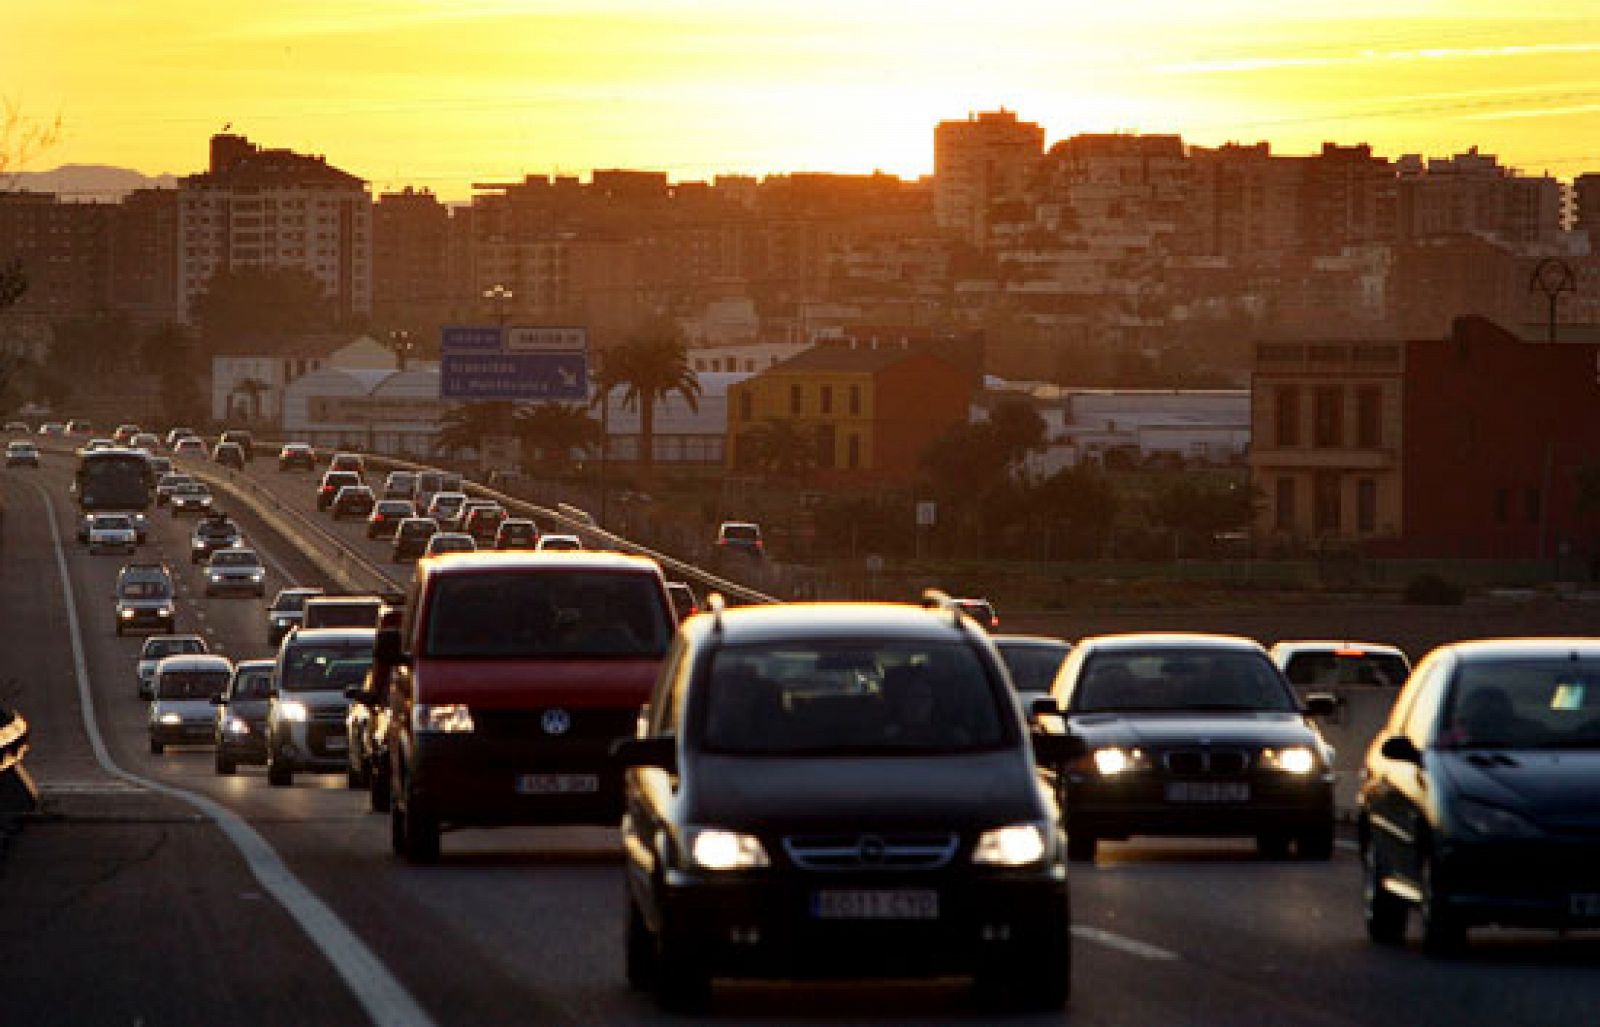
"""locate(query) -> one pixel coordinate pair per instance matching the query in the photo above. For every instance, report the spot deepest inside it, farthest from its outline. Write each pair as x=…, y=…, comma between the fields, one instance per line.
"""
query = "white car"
x=181, y=710
x=236, y=569
x=113, y=532
x=157, y=648
x=190, y=446
x=190, y=497
x=558, y=543
x=1316, y=663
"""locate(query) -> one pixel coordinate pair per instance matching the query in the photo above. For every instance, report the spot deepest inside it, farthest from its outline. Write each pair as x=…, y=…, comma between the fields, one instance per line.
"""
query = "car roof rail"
x=935, y=599
x=715, y=604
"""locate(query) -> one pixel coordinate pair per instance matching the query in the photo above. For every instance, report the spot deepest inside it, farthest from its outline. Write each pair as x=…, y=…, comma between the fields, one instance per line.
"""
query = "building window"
x=744, y=406
x=1287, y=415
x=827, y=399
x=1530, y=505
x=1329, y=417
x=855, y=399
x=1285, y=504
x=1369, y=417
x=794, y=399
x=1502, y=506
x=1366, y=506
x=854, y=455
x=1325, y=503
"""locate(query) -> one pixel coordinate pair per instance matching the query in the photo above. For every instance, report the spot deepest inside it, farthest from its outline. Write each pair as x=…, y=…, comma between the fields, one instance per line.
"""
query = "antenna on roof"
x=934, y=599
x=716, y=604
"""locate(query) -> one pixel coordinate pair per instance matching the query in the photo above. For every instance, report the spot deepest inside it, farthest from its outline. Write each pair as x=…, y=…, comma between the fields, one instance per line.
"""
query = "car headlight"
x=714, y=849
x=171, y=718
x=443, y=719
x=238, y=726
x=294, y=712
x=126, y=614
x=214, y=575
x=1297, y=759
x=197, y=544
x=1113, y=761
x=165, y=611
x=1493, y=822
x=1016, y=845
x=257, y=574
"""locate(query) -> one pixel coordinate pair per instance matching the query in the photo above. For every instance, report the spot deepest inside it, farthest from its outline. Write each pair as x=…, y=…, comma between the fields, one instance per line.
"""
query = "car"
x=332, y=482
x=516, y=533
x=483, y=524
x=842, y=789
x=446, y=508
x=442, y=542
x=342, y=611
x=141, y=525
x=411, y=538
x=400, y=485
x=239, y=729
x=229, y=454
x=190, y=446
x=386, y=517
x=168, y=482
x=157, y=648
x=367, y=724
x=236, y=569
x=514, y=672
x=241, y=438
x=160, y=466
x=352, y=462
x=297, y=456
x=95, y=445
x=1191, y=735
x=1032, y=661
x=980, y=610
x=1479, y=798
x=18, y=428
x=306, y=716
x=79, y=426
x=551, y=542
x=288, y=607
x=112, y=533
x=21, y=453
x=684, y=602
x=124, y=433
x=739, y=538
x=55, y=428
x=174, y=434
x=213, y=532
x=149, y=442
x=352, y=501
x=145, y=598
x=1319, y=664
x=181, y=692
x=190, y=497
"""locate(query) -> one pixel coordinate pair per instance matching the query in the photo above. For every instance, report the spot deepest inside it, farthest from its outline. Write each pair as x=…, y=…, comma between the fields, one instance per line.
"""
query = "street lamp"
x=402, y=344
x=501, y=298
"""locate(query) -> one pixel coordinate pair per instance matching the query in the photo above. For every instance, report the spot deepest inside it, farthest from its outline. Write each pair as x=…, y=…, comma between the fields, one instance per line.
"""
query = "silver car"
x=157, y=648
x=112, y=533
x=236, y=569
x=181, y=711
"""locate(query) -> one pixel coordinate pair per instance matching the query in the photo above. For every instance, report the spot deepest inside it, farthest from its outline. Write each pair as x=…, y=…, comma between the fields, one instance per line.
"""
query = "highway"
x=127, y=904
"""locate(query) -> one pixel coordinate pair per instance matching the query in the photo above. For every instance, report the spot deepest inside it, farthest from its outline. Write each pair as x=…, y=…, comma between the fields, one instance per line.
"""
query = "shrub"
x=1432, y=590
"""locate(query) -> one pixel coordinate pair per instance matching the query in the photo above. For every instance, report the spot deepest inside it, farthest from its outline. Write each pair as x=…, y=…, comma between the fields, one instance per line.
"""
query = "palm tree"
x=252, y=390
x=555, y=430
x=463, y=426
x=782, y=447
x=649, y=367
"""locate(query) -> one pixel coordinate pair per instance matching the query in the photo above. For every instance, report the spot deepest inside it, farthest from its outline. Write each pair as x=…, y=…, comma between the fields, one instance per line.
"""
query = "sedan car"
x=1033, y=661
x=190, y=497
x=554, y=542
x=332, y=482
x=450, y=542
x=112, y=533
x=516, y=533
x=1191, y=734
x=386, y=516
x=288, y=607
x=229, y=454
x=297, y=456
x=240, y=728
x=21, y=453
x=236, y=570
x=168, y=483
x=182, y=688
x=157, y=648
x=1480, y=799
x=411, y=538
x=211, y=534
x=190, y=446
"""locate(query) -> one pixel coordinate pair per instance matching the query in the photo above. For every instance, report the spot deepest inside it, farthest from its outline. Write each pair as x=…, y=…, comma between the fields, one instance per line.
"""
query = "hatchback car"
x=21, y=453
x=240, y=731
x=1195, y=735
x=1320, y=664
x=411, y=538
x=214, y=532
x=348, y=462
x=483, y=524
x=441, y=542
x=288, y=607
x=516, y=533
x=841, y=789
x=157, y=648
x=386, y=516
x=352, y=501
x=181, y=711
x=190, y=497
x=229, y=454
x=1480, y=799
x=189, y=446
x=236, y=569
x=297, y=456
x=400, y=485
x=332, y=482
x=739, y=538
x=446, y=508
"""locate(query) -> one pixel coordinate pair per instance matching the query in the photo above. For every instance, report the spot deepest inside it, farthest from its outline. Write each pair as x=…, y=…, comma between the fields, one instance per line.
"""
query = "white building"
x=250, y=388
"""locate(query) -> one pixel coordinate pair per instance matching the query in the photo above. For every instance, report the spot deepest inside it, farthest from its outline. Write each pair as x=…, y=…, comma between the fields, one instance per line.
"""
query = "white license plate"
x=1208, y=791
x=335, y=742
x=897, y=904
x=1584, y=905
x=557, y=784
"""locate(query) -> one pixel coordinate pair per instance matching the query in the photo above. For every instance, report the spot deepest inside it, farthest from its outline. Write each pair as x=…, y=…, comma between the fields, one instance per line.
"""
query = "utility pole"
x=401, y=343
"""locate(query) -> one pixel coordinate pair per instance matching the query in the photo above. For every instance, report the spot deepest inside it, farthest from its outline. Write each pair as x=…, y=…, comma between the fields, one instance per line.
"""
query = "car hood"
x=1557, y=788
x=949, y=792
x=1165, y=730
x=536, y=684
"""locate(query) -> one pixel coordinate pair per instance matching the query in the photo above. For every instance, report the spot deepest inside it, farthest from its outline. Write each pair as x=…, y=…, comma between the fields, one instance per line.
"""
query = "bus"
x=114, y=479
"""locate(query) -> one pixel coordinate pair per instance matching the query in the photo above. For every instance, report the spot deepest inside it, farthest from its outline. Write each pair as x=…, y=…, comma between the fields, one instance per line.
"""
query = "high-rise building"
x=1350, y=197
x=410, y=258
x=989, y=157
x=144, y=255
x=1472, y=193
x=65, y=252
x=1244, y=202
x=1586, y=208
x=260, y=208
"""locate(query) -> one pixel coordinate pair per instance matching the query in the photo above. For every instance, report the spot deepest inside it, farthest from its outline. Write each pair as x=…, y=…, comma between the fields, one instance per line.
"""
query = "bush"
x=1432, y=590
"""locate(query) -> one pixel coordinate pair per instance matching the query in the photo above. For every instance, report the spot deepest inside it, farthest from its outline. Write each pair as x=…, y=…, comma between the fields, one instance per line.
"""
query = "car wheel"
x=641, y=951
x=379, y=796
x=415, y=838
x=156, y=748
x=1385, y=912
x=1444, y=932
x=1272, y=845
x=225, y=766
x=683, y=983
x=1315, y=844
x=278, y=773
x=1081, y=846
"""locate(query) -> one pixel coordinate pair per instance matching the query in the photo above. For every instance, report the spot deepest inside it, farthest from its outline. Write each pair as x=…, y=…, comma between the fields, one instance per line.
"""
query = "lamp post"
x=500, y=297
x=401, y=343
x=1553, y=276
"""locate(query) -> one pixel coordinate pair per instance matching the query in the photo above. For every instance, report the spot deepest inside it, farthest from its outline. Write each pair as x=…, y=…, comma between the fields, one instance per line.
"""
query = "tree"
x=1017, y=430
x=1194, y=508
x=1075, y=509
x=463, y=426
x=553, y=431
x=171, y=353
x=261, y=305
x=651, y=366
x=781, y=447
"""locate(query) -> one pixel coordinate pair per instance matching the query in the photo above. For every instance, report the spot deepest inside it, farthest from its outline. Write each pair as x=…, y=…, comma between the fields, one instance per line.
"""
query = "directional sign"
x=485, y=363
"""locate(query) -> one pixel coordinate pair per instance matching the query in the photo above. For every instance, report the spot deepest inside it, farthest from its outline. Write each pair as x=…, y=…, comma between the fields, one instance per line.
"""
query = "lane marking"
x=1122, y=944
x=379, y=992
x=1346, y=844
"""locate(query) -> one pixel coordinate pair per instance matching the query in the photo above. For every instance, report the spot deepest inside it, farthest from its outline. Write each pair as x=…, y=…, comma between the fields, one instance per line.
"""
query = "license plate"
x=333, y=742
x=557, y=784
x=1208, y=791
x=1584, y=905
x=897, y=904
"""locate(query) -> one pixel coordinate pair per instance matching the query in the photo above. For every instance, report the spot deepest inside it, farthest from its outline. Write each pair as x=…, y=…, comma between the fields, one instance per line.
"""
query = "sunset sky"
x=441, y=94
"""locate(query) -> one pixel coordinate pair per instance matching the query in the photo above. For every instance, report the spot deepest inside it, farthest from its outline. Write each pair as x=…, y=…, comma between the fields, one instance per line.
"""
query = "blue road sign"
x=514, y=376
x=464, y=339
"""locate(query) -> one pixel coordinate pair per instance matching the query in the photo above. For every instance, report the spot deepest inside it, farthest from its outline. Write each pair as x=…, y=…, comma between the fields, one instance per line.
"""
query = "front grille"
x=871, y=851
x=1199, y=762
x=581, y=724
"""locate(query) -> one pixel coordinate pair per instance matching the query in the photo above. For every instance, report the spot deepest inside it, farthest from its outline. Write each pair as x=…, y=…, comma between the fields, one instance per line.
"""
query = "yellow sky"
x=443, y=93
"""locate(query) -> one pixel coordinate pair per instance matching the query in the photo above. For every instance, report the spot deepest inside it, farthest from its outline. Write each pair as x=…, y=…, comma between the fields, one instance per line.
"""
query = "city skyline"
x=491, y=91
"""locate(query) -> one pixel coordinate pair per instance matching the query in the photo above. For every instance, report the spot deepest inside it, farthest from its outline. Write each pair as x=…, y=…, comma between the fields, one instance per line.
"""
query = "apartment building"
x=989, y=157
x=1472, y=193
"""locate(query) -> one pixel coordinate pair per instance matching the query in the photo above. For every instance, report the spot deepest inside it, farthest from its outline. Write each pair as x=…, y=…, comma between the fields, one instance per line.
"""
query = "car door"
x=650, y=790
x=1400, y=798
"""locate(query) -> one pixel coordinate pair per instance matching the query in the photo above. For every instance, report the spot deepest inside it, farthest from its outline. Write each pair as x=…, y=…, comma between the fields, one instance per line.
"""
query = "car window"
x=324, y=614
x=291, y=601
x=547, y=614
x=191, y=684
x=1523, y=703
x=1422, y=712
x=143, y=590
x=1180, y=679
x=306, y=666
x=741, y=532
x=158, y=648
x=1033, y=667
x=234, y=560
x=1325, y=667
x=859, y=698
x=254, y=683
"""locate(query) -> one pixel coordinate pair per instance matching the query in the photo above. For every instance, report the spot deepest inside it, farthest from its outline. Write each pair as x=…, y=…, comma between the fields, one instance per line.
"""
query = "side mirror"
x=1322, y=704
x=1043, y=706
x=1399, y=747
x=386, y=646
x=656, y=751
x=1058, y=750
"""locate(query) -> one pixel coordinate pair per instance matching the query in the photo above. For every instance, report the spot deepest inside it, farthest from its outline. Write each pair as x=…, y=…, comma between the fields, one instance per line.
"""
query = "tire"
x=1444, y=931
x=641, y=951
x=1384, y=912
x=278, y=773
x=157, y=748
x=683, y=983
x=1081, y=846
x=1272, y=845
x=1315, y=845
x=379, y=795
x=415, y=839
x=225, y=766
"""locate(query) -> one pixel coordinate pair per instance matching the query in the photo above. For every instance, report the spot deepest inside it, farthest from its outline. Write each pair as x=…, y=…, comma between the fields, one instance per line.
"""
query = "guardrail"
x=17, y=792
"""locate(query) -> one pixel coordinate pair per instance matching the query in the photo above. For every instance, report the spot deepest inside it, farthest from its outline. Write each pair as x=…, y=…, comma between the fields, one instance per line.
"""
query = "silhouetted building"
x=410, y=258
x=1471, y=192
x=1586, y=208
x=144, y=256
x=978, y=162
x=65, y=249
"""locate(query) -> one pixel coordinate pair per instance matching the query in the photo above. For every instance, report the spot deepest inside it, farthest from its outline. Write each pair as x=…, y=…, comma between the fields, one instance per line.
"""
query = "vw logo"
x=556, y=722
x=871, y=850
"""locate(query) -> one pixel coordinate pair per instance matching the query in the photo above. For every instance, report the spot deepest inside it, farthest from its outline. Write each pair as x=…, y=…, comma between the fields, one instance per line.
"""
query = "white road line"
x=1121, y=944
x=382, y=995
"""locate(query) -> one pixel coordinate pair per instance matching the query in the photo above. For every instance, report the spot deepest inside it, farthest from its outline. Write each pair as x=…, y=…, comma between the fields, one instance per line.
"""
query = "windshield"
x=316, y=666
x=1033, y=666
x=342, y=615
x=113, y=522
x=235, y=560
x=547, y=614
x=1174, y=679
x=159, y=647
x=191, y=684
x=1346, y=668
x=291, y=601
x=852, y=698
x=150, y=589
x=741, y=532
x=1524, y=703
x=254, y=683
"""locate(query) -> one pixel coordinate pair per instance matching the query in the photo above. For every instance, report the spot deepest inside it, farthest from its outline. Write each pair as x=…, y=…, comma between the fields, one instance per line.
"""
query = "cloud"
x=1226, y=65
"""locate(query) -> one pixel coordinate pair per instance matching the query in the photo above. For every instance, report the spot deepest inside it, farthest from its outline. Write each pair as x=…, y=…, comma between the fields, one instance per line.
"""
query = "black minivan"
x=842, y=790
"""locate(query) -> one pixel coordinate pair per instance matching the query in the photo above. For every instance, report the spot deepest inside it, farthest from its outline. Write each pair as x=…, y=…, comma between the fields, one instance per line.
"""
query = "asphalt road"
x=128, y=906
